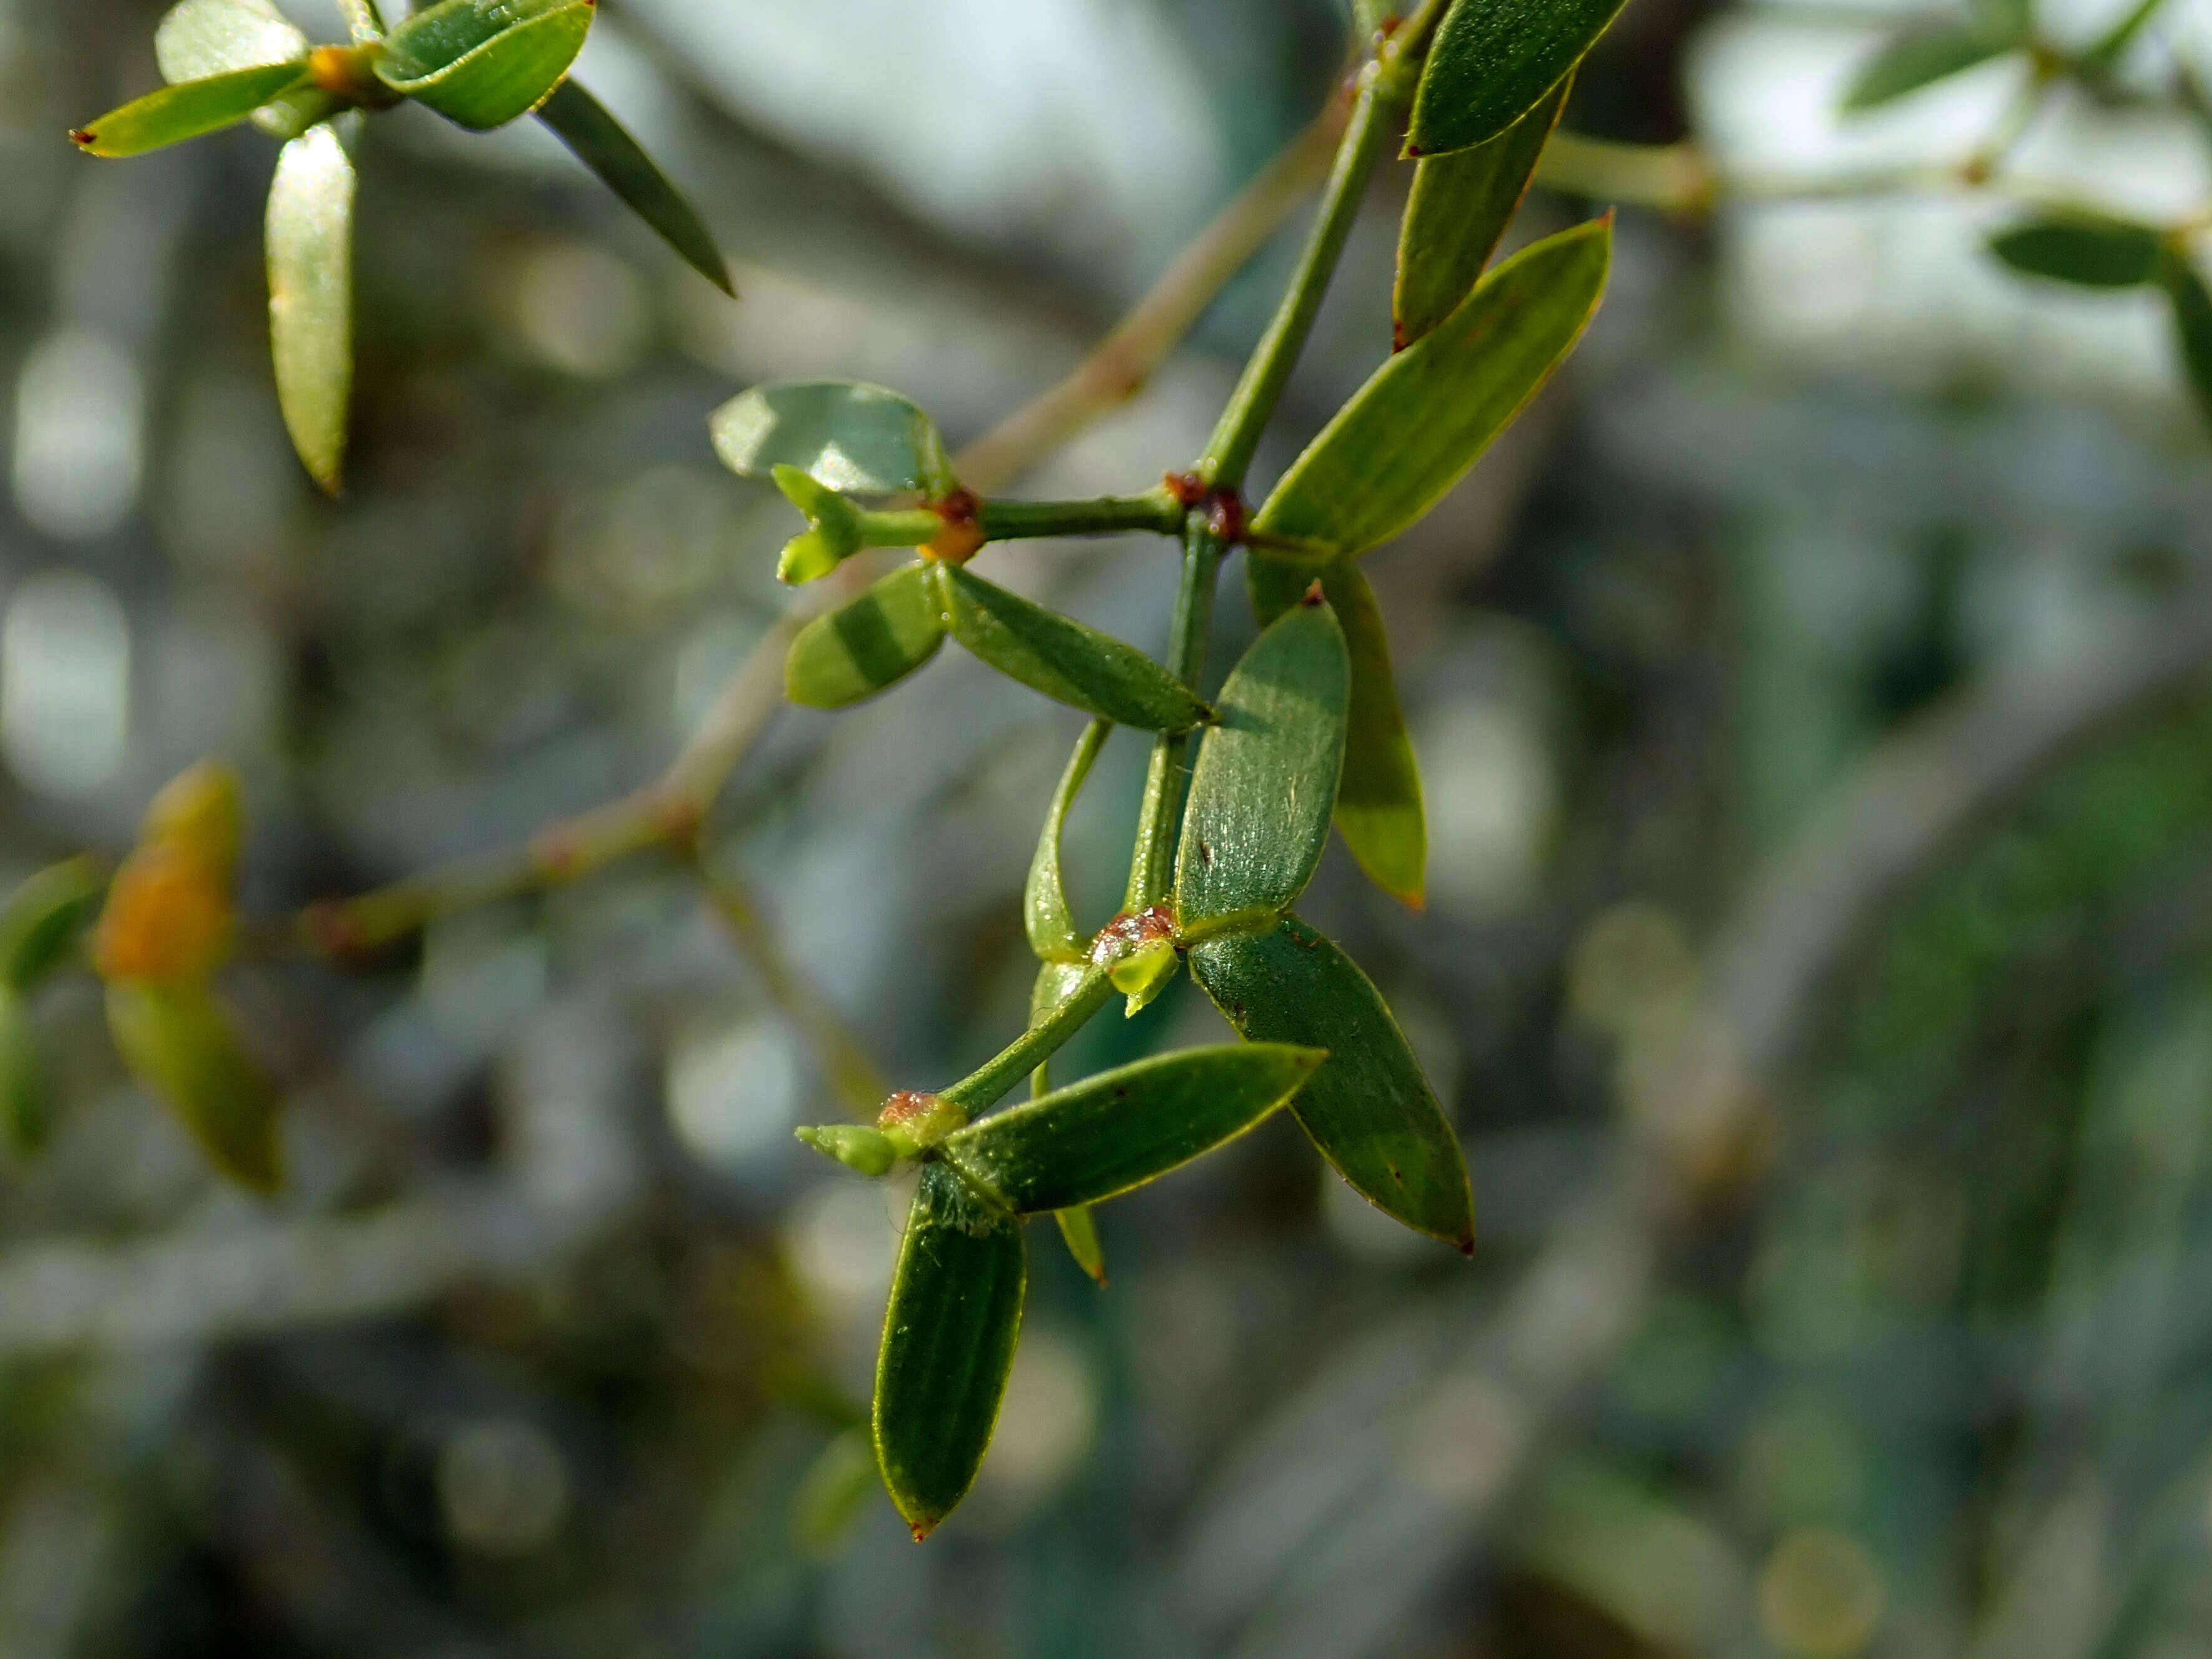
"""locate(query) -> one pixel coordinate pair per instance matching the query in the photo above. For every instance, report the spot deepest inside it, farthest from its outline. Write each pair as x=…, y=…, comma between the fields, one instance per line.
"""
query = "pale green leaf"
x=1046, y=913
x=310, y=249
x=190, y=110
x=872, y=642
x=860, y=438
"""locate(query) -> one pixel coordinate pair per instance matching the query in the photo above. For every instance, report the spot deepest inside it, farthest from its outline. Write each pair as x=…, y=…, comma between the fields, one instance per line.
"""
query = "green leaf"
x=1460, y=207
x=847, y=435
x=1061, y=658
x=831, y=1491
x=604, y=145
x=2084, y=249
x=1055, y=982
x=876, y=641
x=1079, y=1231
x=1265, y=783
x=1379, y=799
x=1122, y=1128
x=26, y=1104
x=178, y=1042
x=310, y=249
x=45, y=918
x=199, y=39
x=482, y=63
x=1492, y=61
x=1046, y=913
x=1425, y=417
x=176, y=113
x=2192, y=324
x=1370, y=1110
x=1920, y=57
x=949, y=1336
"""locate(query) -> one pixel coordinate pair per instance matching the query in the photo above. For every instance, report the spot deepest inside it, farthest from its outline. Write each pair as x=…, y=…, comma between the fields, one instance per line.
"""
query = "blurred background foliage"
x=1833, y=536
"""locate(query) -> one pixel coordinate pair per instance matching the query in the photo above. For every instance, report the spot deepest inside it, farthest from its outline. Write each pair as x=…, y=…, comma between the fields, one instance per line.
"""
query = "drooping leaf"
x=1461, y=205
x=1369, y=1110
x=178, y=1042
x=482, y=63
x=1063, y=658
x=875, y=640
x=1379, y=799
x=45, y=918
x=27, y=1104
x=851, y=436
x=1046, y=913
x=2086, y=250
x=202, y=38
x=187, y=110
x=1265, y=784
x=1124, y=1127
x=1079, y=1231
x=1492, y=61
x=310, y=249
x=2191, y=306
x=604, y=145
x=1426, y=415
x=830, y=1493
x=949, y=1336
x=1056, y=981
x=1920, y=57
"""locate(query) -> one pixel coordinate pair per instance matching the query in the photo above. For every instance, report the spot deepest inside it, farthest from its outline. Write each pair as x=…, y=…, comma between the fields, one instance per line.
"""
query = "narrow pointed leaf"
x=45, y=917
x=1045, y=911
x=1261, y=793
x=1056, y=981
x=1411, y=433
x=1079, y=1231
x=1920, y=57
x=1369, y=1110
x=860, y=438
x=310, y=249
x=26, y=1104
x=876, y=641
x=188, y=110
x=604, y=145
x=1461, y=205
x=1061, y=658
x=1492, y=61
x=949, y=1336
x=831, y=1491
x=178, y=1042
x=1124, y=1127
x=202, y=38
x=1379, y=799
x=482, y=63
x=2086, y=250
x=2192, y=325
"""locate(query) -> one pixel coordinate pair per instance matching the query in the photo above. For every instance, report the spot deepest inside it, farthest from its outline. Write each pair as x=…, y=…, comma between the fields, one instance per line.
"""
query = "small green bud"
x=1144, y=973
x=853, y=1144
x=1138, y=952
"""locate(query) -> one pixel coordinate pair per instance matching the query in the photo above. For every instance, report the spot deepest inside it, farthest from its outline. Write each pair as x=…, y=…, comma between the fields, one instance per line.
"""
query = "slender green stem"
x=2107, y=51
x=988, y=1083
x=1156, y=511
x=1159, y=820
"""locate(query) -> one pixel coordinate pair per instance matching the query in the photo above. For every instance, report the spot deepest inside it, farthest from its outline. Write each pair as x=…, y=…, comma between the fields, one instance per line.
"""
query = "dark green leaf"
x=1492, y=61
x=876, y=641
x=1045, y=910
x=1460, y=207
x=2192, y=324
x=482, y=63
x=27, y=1104
x=199, y=39
x=1124, y=1127
x=310, y=249
x=45, y=917
x=1265, y=780
x=178, y=1042
x=604, y=145
x=949, y=1336
x=1918, y=58
x=2080, y=248
x=1369, y=1110
x=1061, y=658
x=860, y=438
x=176, y=113
x=1426, y=415
x=1379, y=799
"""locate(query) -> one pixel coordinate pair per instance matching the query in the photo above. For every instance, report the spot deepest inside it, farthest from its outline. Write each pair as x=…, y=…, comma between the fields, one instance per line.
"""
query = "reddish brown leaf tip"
x=921, y=1529
x=1465, y=1246
x=1312, y=594
x=83, y=137
x=1398, y=341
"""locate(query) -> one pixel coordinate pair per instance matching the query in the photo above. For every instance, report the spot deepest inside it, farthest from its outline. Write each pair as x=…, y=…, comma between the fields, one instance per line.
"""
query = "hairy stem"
x=996, y=1077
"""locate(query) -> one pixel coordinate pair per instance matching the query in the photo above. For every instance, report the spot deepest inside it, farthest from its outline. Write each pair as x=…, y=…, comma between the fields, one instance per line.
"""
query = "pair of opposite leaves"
x=480, y=63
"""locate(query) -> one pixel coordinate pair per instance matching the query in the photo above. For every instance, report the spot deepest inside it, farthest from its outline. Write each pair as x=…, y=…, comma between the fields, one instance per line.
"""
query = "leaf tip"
x=1313, y=595
x=1465, y=1245
x=922, y=1528
x=83, y=137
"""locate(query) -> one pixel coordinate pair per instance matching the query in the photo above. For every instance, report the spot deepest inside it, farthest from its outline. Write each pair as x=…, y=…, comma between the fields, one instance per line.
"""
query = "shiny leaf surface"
x=482, y=63
x=1426, y=415
x=874, y=642
x=1492, y=62
x=847, y=435
x=949, y=1334
x=1265, y=784
x=310, y=251
x=202, y=38
x=187, y=110
x=1122, y=1128
x=1369, y=1110
x=179, y=1043
x=2085, y=251
x=46, y=917
x=1063, y=658
x=1918, y=58
x=1461, y=205
x=1046, y=913
x=605, y=145
x=1379, y=799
